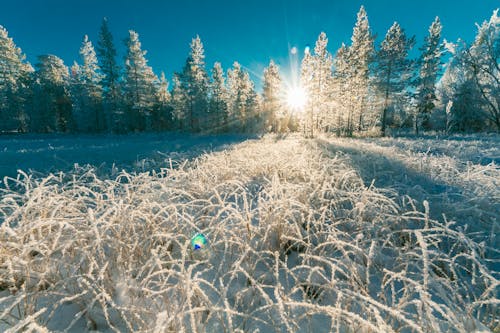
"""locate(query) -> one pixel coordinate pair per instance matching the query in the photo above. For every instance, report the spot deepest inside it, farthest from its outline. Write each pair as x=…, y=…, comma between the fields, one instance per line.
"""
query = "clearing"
x=304, y=235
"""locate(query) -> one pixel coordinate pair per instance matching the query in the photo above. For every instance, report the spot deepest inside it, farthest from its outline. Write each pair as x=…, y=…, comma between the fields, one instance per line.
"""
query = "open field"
x=304, y=235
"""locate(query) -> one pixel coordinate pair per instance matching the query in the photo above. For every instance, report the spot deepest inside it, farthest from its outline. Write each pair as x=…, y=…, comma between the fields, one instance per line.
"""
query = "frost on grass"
x=297, y=243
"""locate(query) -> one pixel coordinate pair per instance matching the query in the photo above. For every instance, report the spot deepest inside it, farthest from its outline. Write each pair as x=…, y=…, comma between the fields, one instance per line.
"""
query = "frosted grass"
x=298, y=240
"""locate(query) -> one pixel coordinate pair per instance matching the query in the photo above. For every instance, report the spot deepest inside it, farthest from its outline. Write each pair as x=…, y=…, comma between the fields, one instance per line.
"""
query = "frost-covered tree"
x=14, y=75
x=459, y=92
x=273, y=111
x=218, y=99
x=483, y=59
x=320, y=95
x=316, y=80
x=340, y=89
x=87, y=91
x=194, y=82
x=360, y=57
x=179, y=98
x=162, y=110
x=306, y=82
x=51, y=96
x=112, y=101
x=242, y=99
x=393, y=68
x=139, y=85
x=429, y=62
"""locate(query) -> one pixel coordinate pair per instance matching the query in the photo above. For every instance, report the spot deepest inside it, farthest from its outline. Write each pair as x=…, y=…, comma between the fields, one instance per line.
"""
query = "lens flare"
x=198, y=242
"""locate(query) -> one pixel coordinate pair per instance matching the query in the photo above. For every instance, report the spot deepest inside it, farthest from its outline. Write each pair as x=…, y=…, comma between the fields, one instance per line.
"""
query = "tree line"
x=360, y=88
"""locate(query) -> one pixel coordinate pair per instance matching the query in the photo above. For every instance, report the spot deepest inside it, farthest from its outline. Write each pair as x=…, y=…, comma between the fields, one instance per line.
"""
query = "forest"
x=360, y=89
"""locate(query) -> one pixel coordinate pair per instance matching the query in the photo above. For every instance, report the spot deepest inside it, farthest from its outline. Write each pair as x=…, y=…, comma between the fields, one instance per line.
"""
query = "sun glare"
x=296, y=98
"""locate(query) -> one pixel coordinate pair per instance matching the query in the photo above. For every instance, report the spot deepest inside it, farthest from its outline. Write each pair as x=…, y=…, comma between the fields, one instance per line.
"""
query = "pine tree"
x=316, y=80
x=179, y=102
x=243, y=102
x=52, y=98
x=322, y=80
x=273, y=109
x=13, y=74
x=429, y=67
x=87, y=91
x=218, y=99
x=393, y=69
x=162, y=111
x=194, y=80
x=340, y=88
x=233, y=88
x=112, y=102
x=306, y=82
x=139, y=85
x=360, y=57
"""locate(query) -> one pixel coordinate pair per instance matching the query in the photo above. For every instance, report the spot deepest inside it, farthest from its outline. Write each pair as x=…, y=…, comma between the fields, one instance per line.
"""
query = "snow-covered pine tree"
x=340, y=89
x=393, y=68
x=194, y=84
x=483, y=58
x=234, y=95
x=112, y=100
x=321, y=92
x=306, y=82
x=429, y=62
x=248, y=103
x=360, y=57
x=139, y=85
x=14, y=74
x=243, y=101
x=87, y=91
x=218, y=99
x=51, y=96
x=162, y=110
x=273, y=110
x=179, y=103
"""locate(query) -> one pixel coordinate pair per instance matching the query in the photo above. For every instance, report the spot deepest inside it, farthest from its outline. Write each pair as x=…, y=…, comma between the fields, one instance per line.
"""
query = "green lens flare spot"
x=198, y=242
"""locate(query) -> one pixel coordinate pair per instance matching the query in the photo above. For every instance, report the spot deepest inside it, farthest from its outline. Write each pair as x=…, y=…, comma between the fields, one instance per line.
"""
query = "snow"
x=304, y=235
x=53, y=153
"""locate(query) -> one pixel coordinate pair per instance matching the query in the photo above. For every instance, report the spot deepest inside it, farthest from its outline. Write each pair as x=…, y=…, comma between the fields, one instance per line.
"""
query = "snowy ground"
x=41, y=154
x=317, y=235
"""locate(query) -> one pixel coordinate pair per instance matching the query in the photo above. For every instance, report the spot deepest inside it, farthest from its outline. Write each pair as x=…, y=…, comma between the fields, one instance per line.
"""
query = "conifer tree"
x=52, y=98
x=340, y=88
x=273, y=109
x=361, y=54
x=233, y=87
x=306, y=82
x=87, y=91
x=179, y=103
x=162, y=112
x=112, y=101
x=393, y=68
x=429, y=66
x=243, y=101
x=14, y=73
x=218, y=99
x=194, y=81
x=320, y=94
x=139, y=85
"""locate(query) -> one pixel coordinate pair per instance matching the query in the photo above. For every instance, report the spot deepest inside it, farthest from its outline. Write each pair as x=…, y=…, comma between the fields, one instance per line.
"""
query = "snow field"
x=300, y=240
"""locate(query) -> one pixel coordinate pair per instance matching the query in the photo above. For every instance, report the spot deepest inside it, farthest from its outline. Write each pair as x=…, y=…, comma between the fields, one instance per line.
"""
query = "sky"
x=251, y=32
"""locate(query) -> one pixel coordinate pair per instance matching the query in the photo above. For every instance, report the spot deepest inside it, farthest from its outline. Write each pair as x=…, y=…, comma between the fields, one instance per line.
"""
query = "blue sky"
x=251, y=32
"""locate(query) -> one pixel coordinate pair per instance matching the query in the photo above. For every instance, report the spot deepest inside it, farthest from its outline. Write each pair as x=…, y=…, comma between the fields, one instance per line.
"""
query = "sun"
x=296, y=98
